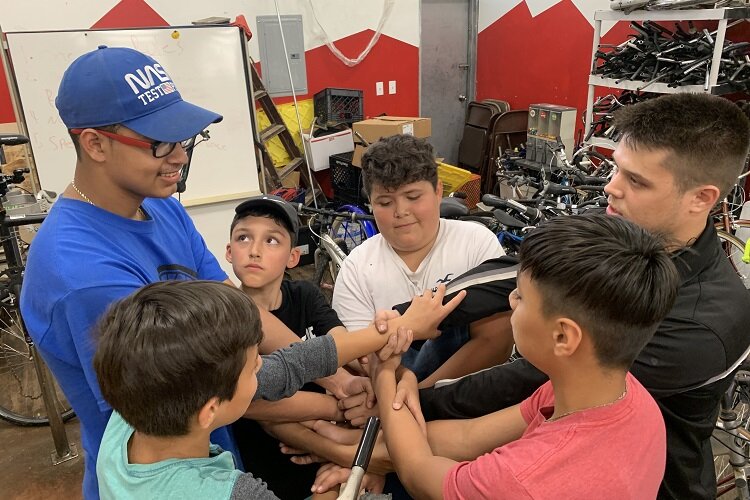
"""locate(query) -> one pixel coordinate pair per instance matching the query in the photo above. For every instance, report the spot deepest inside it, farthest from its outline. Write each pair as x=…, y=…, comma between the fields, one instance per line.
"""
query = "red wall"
x=389, y=59
x=6, y=106
x=526, y=60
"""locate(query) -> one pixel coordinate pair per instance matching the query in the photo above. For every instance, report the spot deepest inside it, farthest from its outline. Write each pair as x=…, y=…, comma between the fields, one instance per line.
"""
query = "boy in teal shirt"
x=176, y=360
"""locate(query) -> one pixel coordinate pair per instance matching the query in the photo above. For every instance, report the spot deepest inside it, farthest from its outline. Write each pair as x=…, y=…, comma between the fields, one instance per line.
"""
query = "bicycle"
x=731, y=437
x=508, y=229
x=337, y=232
x=733, y=231
x=22, y=400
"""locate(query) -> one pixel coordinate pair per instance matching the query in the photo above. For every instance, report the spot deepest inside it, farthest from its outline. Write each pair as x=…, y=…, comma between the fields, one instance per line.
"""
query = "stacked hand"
x=330, y=476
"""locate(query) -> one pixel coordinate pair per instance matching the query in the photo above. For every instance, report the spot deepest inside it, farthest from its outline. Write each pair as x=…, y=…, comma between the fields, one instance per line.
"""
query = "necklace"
x=141, y=214
x=620, y=397
x=80, y=193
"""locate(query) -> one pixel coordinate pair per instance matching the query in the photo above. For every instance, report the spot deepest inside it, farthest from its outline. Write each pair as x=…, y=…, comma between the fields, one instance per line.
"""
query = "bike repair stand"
x=64, y=450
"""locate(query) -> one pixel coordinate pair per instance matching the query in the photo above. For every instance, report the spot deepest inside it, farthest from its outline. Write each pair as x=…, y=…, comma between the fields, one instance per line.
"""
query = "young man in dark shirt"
x=680, y=155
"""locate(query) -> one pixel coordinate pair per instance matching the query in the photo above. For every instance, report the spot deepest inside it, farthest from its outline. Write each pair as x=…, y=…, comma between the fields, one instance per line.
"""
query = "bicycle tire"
x=735, y=249
x=325, y=273
x=353, y=233
x=732, y=479
x=21, y=402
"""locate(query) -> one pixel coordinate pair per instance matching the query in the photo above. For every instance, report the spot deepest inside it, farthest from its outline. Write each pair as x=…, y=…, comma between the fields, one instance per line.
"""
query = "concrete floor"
x=26, y=462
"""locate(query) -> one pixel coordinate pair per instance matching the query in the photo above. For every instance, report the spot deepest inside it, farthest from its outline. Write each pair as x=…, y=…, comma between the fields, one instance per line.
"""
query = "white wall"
x=339, y=18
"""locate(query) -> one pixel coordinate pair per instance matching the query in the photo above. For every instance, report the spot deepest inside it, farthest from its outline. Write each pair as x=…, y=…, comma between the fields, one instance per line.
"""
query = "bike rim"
x=21, y=399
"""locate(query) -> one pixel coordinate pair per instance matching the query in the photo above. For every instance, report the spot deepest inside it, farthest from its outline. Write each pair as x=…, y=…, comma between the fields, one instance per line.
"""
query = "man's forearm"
x=301, y=406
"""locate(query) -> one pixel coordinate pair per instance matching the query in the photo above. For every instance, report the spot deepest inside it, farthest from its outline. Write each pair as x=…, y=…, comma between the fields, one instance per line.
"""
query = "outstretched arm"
x=424, y=314
x=490, y=343
x=303, y=405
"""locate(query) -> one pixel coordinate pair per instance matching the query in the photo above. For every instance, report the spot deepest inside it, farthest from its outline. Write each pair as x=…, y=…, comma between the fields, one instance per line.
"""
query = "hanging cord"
x=387, y=7
x=296, y=107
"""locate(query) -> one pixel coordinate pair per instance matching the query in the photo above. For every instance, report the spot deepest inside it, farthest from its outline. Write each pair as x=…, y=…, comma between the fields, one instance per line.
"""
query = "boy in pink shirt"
x=591, y=292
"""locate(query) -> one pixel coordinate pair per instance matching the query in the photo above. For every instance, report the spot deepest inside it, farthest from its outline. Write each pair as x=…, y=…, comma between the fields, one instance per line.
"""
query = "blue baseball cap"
x=119, y=85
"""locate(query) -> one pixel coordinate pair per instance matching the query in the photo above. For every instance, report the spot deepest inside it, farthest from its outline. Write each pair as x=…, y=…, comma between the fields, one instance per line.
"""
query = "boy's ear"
x=439, y=188
x=293, y=258
x=207, y=413
x=567, y=337
x=228, y=254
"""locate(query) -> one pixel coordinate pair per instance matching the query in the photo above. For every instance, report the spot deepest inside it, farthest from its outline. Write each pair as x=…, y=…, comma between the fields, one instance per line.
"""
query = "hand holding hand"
x=397, y=344
x=427, y=311
x=407, y=393
x=343, y=384
x=356, y=409
x=330, y=476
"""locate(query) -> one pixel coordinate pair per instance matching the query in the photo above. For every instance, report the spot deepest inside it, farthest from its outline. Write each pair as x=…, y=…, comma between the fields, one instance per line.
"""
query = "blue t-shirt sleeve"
x=82, y=323
x=207, y=266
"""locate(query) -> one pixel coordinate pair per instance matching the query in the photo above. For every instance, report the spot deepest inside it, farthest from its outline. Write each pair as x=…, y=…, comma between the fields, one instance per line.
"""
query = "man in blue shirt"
x=116, y=226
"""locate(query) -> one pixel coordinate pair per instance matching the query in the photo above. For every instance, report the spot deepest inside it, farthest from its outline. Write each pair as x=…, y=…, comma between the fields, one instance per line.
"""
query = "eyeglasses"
x=158, y=149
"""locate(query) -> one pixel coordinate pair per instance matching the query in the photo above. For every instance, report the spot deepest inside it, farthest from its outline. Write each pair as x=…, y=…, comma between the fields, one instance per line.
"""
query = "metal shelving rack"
x=722, y=15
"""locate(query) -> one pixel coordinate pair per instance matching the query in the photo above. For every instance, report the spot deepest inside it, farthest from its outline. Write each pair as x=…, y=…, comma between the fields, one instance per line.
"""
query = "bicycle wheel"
x=352, y=233
x=735, y=250
x=21, y=401
x=325, y=273
x=731, y=440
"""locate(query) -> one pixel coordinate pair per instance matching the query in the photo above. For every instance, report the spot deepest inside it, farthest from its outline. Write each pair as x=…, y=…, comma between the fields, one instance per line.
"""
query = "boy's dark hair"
x=707, y=136
x=398, y=160
x=609, y=275
x=168, y=348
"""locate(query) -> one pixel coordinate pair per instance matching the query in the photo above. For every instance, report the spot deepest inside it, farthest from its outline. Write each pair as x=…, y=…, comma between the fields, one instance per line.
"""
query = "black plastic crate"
x=338, y=106
x=346, y=179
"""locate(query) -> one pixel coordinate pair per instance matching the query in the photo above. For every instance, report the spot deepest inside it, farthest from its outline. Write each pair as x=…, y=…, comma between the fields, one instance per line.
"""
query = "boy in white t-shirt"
x=417, y=250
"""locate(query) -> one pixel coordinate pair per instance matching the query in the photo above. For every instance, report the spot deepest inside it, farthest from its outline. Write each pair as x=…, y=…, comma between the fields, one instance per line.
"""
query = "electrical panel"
x=548, y=123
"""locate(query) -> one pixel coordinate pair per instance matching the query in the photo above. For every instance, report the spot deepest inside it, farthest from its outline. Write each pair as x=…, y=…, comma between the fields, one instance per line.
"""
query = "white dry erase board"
x=207, y=63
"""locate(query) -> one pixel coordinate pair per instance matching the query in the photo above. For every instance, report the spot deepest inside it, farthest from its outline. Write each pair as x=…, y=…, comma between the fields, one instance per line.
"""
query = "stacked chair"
x=490, y=128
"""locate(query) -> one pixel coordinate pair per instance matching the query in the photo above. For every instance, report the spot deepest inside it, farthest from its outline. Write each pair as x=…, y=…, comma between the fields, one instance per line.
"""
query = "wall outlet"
x=392, y=87
x=378, y=88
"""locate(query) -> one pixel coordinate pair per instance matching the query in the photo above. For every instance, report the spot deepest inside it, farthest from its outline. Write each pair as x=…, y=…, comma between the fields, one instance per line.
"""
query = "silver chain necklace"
x=140, y=211
x=553, y=419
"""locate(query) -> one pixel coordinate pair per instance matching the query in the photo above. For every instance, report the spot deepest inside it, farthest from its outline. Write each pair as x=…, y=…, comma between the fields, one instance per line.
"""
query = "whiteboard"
x=207, y=63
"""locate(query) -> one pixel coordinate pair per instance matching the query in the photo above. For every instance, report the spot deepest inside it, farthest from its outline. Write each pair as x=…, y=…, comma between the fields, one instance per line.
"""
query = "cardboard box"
x=383, y=126
x=319, y=149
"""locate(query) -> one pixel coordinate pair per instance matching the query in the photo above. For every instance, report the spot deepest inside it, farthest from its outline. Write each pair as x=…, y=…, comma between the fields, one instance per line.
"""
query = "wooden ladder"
x=273, y=176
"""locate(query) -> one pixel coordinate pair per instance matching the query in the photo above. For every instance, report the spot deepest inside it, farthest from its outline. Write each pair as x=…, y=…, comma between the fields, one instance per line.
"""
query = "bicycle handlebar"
x=302, y=209
x=13, y=139
x=495, y=201
x=21, y=220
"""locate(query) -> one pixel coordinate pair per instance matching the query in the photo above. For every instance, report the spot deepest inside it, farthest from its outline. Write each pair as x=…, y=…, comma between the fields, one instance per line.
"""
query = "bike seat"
x=452, y=208
x=508, y=220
